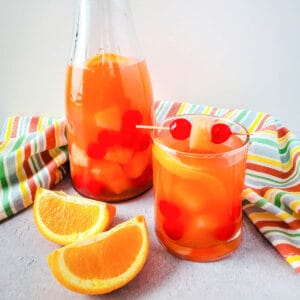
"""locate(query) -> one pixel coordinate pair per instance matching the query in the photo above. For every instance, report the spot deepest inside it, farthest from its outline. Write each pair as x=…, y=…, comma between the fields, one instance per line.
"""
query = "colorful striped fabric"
x=33, y=153
x=272, y=185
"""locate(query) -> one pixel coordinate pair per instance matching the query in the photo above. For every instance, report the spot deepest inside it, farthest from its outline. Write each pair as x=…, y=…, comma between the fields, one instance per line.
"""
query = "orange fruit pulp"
x=110, y=159
x=65, y=219
x=198, y=200
x=105, y=262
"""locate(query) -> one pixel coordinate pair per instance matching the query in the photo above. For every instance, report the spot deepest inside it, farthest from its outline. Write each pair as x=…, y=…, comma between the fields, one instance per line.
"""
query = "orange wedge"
x=64, y=218
x=105, y=262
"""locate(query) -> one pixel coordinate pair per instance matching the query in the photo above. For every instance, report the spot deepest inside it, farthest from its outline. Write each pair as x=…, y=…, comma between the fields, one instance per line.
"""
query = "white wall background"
x=226, y=53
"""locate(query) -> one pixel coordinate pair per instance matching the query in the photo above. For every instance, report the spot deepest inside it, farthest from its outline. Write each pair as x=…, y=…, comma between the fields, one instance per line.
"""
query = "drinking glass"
x=197, y=189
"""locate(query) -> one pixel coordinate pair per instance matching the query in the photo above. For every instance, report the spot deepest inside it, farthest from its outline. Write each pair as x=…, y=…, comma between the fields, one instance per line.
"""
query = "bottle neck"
x=104, y=26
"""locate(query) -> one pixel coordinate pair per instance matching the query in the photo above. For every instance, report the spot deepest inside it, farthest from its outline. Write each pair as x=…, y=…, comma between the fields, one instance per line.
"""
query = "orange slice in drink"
x=64, y=218
x=197, y=190
x=104, y=262
x=105, y=58
x=175, y=165
x=171, y=163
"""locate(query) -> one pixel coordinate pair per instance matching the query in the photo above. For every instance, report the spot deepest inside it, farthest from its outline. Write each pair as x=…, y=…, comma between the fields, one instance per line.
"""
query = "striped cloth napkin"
x=33, y=153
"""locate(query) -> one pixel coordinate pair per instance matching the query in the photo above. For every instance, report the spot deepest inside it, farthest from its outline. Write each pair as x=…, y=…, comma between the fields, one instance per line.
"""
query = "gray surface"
x=254, y=271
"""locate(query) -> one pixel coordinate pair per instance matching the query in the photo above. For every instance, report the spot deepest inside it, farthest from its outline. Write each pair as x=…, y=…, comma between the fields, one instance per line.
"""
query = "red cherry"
x=220, y=133
x=130, y=119
x=127, y=139
x=173, y=229
x=88, y=185
x=129, y=133
x=226, y=231
x=180, y=129
x=95, y=187
x=172, y=225
x=108, y=138
x=141, y=142
x=96, y=151
x=169, y=210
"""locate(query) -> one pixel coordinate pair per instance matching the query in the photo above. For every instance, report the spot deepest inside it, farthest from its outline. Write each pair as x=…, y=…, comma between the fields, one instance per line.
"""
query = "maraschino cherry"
x=180, y=129
x=220, y=133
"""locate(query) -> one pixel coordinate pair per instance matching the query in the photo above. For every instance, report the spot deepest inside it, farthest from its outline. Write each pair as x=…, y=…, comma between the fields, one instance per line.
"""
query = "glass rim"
x=201, y=155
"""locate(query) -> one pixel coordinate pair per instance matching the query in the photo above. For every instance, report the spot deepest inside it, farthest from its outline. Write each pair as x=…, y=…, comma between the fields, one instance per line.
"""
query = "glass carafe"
x=108, y=92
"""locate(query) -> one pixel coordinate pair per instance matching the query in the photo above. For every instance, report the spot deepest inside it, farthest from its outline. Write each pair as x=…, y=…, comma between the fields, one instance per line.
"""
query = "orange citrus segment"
x=65, y=219
x=105, y=262
x=176, y=166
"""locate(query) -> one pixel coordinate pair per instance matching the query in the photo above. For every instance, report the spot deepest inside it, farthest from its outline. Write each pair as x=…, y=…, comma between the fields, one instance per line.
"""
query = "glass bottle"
x=108, y=92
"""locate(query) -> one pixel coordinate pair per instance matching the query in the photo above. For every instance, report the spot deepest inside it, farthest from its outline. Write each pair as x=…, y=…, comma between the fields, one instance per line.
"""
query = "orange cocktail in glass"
x=197, y=189
x=110, y=159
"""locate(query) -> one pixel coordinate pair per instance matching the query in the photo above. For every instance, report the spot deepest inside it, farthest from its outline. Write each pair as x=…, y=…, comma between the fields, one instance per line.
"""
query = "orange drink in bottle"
x=110, y=159
x=197, y=189
x=108, y=93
